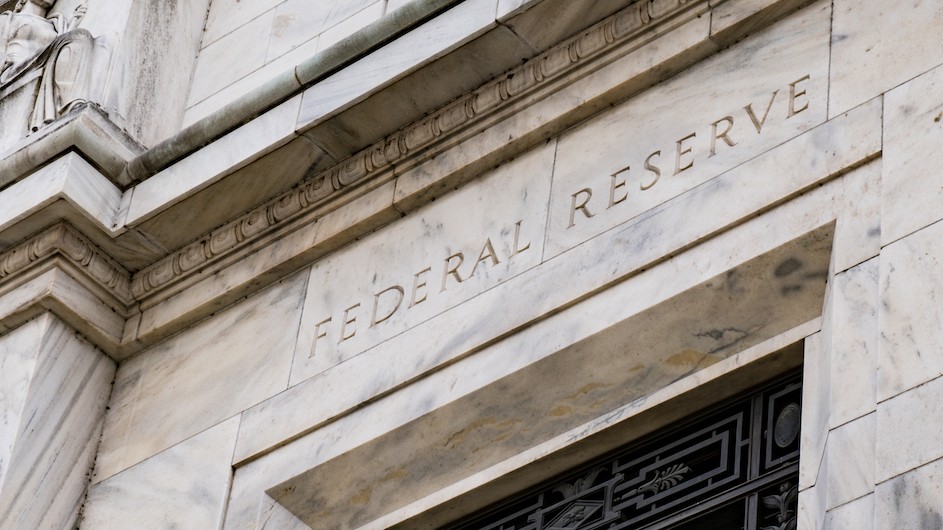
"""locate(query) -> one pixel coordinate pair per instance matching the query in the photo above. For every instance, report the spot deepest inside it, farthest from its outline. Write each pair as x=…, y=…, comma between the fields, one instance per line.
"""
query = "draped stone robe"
x=28, y=42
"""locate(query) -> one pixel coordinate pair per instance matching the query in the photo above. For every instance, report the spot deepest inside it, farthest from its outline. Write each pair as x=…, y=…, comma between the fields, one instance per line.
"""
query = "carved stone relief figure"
x=31, y=39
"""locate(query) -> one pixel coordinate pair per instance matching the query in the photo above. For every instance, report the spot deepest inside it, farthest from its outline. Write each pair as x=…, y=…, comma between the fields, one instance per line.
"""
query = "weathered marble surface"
x=231, y=57
x=274, y=516
x=812, y=499
x=673, y=140
x=524, y=299
x=432, y=260
x=226, y=15
x=196, y=379
x=242, y=41
x=912, y=500
x=261, y=474
x=792, y=172
x=435, y=38
x=297, y=21
x=350, y=25
x=634, y=70
x=72, y=301
x=911, y=195
x=280, y=64
x=527, y=341
x=879, y=45
x=911, y=317
x=638, y=354
x=156, y=60
x=815, y=393
x=69, y=178
x=908, y=434
x=264, y=259
x=851, y=457
x=54, y=390
x=184, y=486
x=855, y=333
x=532, y=465
x=856, y=515
x=250, y=82
x=858, y=233
x=17, y=366
x=15, y=109
x=197, y=171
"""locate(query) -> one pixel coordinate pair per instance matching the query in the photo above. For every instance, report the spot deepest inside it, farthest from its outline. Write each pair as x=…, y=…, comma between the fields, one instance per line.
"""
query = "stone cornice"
x=87, y=130
x=413, y=141
x=64, y=241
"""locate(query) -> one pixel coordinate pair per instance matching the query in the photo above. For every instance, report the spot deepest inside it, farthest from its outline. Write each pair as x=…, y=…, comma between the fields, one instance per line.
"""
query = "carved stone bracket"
x=414, y=140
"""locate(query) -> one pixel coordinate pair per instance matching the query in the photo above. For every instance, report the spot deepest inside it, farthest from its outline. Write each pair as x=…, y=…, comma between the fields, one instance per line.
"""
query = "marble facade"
x=382, y=263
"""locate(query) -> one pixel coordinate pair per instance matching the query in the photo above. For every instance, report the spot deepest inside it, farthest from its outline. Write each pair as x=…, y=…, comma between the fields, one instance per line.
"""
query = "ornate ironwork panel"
x=734, y=466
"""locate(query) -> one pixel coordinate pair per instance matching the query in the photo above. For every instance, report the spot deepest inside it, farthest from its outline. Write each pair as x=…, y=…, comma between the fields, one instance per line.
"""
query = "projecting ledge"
x=88, y=131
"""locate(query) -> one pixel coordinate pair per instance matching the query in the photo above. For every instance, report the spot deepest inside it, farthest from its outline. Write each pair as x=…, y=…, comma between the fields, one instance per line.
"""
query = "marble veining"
x=208, y=373
x=184, y=486
x=46, y=453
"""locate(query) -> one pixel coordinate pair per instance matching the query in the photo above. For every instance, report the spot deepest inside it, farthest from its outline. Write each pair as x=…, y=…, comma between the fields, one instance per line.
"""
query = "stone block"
x=430, y=261
x=185, y=486
x=201, y=376
x=281, y=66
x=231, y=57
x=69, y=178
x=812, y=509
x=856, y=515
x=350, y=25
x=225, y=16
x=266, y=261
x=816, y=387
x=853, y=367
x=851, y=461
x=297, y=21
x=912, y=196
x=858, y=233
x=908, y=434
x=912, y=500
x=152, y=80
x=879, y=45
x=911, y=314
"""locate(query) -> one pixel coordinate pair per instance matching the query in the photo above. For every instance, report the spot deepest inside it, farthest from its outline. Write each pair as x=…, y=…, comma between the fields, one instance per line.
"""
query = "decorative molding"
x=63, y=240
x=502, y=92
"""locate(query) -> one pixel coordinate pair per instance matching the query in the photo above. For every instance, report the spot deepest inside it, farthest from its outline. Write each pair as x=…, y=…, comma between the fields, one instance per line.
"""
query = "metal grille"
x=734, y=466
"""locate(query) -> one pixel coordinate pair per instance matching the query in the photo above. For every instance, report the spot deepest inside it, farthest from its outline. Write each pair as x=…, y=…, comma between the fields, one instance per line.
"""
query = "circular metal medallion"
x=787, y=425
